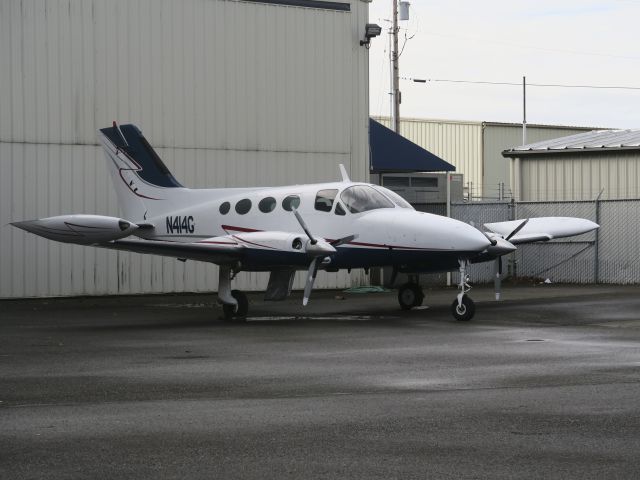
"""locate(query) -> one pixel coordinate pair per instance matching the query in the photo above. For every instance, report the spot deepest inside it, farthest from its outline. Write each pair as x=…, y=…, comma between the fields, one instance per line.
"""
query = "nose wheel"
x=410, y=295
x=463, y=308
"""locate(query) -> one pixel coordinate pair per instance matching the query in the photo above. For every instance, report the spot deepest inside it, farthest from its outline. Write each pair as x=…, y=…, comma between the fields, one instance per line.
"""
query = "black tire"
x=231, y=312
x=466, y=311
x=410, y=295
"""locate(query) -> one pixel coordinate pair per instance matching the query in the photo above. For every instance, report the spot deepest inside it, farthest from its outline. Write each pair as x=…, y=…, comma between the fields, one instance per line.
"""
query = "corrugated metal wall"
x=498, y=137
x=475, y=148
x=580, y=176
x=233, y=94
x=459, y=143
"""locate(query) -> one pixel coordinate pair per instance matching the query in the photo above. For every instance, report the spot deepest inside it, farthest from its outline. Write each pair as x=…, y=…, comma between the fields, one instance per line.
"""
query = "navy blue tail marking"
x=153, y=170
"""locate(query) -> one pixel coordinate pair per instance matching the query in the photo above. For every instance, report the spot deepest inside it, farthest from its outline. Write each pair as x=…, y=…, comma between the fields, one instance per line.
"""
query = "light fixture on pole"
x=371, y=30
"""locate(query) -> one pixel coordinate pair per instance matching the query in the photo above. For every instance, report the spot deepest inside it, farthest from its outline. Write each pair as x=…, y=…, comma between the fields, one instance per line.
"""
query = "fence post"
x=596, y=245
x=513, y=216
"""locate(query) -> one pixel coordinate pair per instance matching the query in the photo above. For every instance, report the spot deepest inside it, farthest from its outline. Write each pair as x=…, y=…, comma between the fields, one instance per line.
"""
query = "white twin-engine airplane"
x=329, y=226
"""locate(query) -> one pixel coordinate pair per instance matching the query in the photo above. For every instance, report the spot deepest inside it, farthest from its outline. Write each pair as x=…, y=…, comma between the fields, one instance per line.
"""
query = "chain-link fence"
x=609, y=255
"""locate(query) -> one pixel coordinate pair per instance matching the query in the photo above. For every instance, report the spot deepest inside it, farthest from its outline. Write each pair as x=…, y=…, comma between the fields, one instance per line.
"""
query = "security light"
x=371, y=30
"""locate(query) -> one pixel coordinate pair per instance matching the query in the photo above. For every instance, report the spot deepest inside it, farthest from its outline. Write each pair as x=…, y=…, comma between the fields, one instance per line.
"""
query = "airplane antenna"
x=115, y=125
x=345, y=175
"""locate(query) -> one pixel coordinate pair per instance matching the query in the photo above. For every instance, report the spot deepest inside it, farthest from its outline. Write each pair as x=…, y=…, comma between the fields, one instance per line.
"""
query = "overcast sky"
x=560, y=42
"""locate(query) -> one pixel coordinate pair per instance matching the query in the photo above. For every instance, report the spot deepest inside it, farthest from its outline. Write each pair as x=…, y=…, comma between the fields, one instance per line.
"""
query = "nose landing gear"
x=463, y=307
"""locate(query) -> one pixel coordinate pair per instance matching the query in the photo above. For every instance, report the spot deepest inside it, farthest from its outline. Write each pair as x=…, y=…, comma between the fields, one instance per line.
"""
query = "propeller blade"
x=343, y=240
x=492, y=240
x=311, y=278
x=497, y=281
x=518, y=228
x=304, y=226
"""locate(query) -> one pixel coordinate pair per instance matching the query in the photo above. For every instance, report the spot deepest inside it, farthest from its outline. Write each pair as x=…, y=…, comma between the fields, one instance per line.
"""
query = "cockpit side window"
x=361, y=198
x=324, y=200
x=339, y=209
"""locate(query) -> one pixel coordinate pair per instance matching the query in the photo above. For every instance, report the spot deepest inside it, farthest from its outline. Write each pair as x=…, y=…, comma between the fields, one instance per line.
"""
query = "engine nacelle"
x=80, y=229
x=284, y=241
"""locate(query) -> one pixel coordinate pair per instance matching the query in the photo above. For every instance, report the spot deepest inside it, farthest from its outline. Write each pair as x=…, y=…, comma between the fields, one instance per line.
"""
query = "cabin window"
x=243, y=206
x=225, y=207
x=291, y=202
x=324, y=200
x=340, y=210
x=362, y=198
x=267, y=205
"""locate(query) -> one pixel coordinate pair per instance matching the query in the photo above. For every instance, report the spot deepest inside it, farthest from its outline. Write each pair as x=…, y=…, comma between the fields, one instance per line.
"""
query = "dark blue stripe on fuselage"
x=349, y=257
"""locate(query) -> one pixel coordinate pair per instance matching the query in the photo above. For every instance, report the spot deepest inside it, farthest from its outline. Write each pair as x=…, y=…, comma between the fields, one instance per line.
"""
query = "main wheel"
x=410, y=295
x=463, y=312
x=238, y=312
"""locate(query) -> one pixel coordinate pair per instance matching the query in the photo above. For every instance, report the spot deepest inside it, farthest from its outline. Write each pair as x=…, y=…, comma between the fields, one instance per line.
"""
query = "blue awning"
x=391, y=152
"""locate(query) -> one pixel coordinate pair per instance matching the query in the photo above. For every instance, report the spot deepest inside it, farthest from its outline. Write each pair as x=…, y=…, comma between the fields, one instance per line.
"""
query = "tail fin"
x=144, y=185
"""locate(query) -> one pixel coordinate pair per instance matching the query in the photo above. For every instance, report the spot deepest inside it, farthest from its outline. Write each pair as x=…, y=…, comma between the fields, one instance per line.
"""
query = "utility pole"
x=396, y=70
x=524, y=110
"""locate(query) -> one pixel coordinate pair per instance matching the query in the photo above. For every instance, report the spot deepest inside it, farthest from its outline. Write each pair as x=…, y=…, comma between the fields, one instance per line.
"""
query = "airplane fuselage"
x=393, y=234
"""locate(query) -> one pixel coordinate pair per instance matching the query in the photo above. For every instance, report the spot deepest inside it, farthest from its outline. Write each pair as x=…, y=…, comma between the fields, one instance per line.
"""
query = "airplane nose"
x=469, y=239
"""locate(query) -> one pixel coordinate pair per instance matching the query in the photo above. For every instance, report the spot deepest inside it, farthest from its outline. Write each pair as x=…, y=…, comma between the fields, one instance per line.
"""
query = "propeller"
x=319, y=249
x=517, y=229
x=497, y=281
x=311, y=278
x=343, y=240
x=304, y=227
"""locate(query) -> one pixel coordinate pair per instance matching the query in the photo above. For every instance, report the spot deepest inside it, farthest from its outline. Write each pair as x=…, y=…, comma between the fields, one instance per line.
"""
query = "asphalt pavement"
x=545, y=384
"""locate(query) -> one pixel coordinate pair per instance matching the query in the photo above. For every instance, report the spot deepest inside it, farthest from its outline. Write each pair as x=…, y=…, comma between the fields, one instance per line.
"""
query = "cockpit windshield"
x=361, y=198
x=397, y=199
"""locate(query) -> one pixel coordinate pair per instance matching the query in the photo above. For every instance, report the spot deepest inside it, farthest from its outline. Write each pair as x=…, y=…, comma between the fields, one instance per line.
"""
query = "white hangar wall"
x=231, y=93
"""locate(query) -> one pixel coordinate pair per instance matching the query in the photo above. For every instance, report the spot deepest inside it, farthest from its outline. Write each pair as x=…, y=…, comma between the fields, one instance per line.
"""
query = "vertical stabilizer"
x=144, y=186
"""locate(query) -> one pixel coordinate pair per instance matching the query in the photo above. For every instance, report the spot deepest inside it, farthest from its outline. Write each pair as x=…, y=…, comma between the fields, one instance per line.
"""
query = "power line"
x=519, y=84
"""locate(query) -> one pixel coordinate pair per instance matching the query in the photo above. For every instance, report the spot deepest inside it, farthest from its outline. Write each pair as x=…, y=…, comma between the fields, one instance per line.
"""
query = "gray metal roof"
x=596, y=140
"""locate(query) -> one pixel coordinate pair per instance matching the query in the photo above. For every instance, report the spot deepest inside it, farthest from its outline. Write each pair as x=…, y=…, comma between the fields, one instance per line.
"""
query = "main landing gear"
x=463, y=307
x=410, y=295
x=235, y=304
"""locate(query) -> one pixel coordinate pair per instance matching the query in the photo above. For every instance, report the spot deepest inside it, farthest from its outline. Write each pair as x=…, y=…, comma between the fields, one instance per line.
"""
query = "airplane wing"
x=214, y=250
x=541, y=229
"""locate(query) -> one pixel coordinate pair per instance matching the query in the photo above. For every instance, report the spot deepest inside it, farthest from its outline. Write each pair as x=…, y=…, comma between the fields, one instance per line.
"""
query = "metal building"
x=231, y=93
x=475, y=148
x=600, y=163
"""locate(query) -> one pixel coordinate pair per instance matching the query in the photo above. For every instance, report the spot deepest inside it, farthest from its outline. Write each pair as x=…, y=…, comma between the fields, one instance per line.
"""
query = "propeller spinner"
x=320, y=249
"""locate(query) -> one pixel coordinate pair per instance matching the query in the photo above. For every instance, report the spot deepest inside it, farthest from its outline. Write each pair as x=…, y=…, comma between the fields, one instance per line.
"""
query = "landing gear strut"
x=410, y=295
x=234, y=302
x=463, y=307
x=239, y=311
